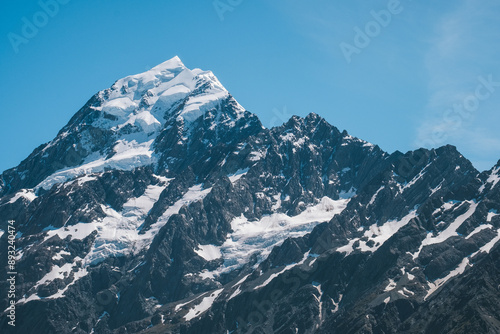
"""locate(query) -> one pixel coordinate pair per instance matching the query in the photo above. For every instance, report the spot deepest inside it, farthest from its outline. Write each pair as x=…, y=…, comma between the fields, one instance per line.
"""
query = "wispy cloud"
x=464, y=53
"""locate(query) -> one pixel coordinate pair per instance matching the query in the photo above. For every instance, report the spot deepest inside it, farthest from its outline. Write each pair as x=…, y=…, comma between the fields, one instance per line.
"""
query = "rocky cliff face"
x=164, y=206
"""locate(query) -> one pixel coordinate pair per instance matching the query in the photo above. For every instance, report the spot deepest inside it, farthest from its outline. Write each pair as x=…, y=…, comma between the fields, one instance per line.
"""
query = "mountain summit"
x=122, y=126
x=163, y=206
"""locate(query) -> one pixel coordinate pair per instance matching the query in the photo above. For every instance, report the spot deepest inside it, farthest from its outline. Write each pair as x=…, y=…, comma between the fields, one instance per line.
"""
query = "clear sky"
x=400, y=74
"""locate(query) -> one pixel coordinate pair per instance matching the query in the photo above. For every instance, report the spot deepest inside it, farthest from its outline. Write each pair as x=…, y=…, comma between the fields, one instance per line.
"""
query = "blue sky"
x=424, y=74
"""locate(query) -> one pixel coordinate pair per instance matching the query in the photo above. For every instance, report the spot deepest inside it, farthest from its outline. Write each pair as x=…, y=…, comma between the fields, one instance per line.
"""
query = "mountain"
x=163, y=206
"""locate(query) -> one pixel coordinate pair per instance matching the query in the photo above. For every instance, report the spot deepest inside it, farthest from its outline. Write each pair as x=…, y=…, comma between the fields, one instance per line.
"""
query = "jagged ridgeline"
x=163, y=206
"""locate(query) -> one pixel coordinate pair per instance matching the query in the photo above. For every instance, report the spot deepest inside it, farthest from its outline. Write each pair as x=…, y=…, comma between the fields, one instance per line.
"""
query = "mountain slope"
x=164, y=206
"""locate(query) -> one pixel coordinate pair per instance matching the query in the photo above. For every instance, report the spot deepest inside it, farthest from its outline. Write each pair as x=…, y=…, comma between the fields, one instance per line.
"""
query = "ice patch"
x=372, y=200
x=208, y=252
x=239, y=173
x=27, y=194
x=58, y=256
x=235, y=293
x=205, y=304
x=491, y=214
x=391, y=286
x=78, y=231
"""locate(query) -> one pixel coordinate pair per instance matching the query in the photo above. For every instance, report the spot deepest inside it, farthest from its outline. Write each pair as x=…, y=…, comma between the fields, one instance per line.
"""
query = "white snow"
x=493, y=179
x=58, y=256
x=239, y=173
x=433, y=286
x=434, y=190
x=194, y=194
x=410, y=276
x=448, y=205
x=249, y=237
x=450, y=231
x=119, y=106
x=235, y=293
x=58, y=272
x=491, y=214
x=479, y=229
x=179, y=306
x=242, y=280
x=372, y=200
x=336, y=304
x=208, y=252
x=128, y=156
x=416, y=178
x=487, y=247
x=203, y=306
x=445, y=207
x=318, y=299
x=118, y=233
x=286, y=268
x=78, y=231
x=140, y=206
x=141, y=102
x=27, y=194
x=378, y=234
x=391, y=286
x=256, y=155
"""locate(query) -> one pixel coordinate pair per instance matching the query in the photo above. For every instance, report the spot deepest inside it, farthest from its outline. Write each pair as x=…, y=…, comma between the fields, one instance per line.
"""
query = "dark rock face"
x=164, y=207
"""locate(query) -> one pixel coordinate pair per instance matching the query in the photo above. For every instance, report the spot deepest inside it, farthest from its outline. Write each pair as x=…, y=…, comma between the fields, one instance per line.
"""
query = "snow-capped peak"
x=131, y=114
x=152, y=95
x=172, y=63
